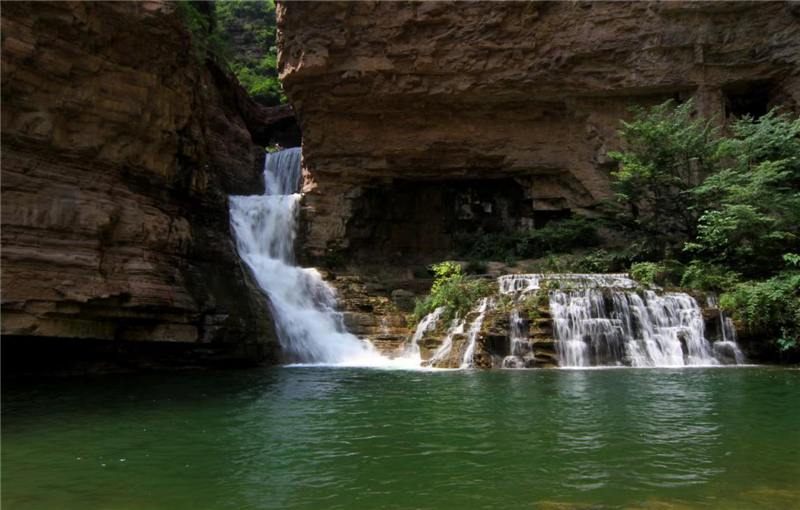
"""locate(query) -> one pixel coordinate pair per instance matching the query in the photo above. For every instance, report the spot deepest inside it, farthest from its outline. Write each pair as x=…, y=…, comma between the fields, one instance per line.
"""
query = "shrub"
x=558, y=237
x=644, y=272
x=771, y=306
x=668, y=273
x=444, y=272
x=476, y=267
x=207, y=43
x=483, y=246
x=706, y=276
x=599, y=261
x=456, y=294
x=257, y=19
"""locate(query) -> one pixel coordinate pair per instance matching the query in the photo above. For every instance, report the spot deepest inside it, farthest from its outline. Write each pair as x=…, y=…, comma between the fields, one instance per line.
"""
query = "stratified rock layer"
x=118, y=151
x=389, y=93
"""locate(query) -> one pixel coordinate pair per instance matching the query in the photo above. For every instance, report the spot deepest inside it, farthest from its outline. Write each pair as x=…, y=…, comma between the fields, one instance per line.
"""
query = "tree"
x=666, y=154
x=751, y=209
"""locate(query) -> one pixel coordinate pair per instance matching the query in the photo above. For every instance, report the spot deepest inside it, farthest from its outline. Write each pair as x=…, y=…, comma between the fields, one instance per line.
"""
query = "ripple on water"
x=319, y=437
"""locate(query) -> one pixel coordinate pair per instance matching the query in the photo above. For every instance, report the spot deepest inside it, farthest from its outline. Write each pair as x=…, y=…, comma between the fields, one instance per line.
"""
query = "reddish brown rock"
x=398, y=94
x=118, y=151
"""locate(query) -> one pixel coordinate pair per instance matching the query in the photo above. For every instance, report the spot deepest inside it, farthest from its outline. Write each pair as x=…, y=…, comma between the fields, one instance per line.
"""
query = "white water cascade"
x=303, y=305
x=518, y=347
x=474, y=329
x=428, y=323
x=597, y=322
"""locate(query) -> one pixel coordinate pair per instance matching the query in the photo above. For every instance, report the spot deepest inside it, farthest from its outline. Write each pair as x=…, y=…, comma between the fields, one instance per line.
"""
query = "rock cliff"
x=119, y=148
x=427, y=101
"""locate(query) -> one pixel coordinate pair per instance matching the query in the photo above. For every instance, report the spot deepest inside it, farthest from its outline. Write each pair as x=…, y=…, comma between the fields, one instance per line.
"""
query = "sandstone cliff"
x=119, y=148
x=423, y=118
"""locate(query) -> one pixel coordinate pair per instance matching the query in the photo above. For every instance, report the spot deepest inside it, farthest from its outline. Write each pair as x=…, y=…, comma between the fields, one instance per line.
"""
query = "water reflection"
x=314, y=437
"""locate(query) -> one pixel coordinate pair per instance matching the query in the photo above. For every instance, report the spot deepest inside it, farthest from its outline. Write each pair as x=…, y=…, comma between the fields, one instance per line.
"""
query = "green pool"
x=368, y=438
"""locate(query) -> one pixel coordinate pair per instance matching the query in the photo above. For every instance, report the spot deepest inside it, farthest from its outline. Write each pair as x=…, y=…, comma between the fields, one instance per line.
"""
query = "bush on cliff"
x=257, y=22
x=452, y=290
x=212, y=35
x=771, y=307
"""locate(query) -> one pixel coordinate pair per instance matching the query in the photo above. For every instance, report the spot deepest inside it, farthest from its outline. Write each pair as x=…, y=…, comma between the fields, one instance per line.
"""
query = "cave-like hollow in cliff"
x=423, y=220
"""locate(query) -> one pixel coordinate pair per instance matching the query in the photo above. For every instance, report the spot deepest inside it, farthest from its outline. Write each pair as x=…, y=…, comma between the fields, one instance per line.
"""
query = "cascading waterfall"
x=456, y=328
x=726, y=347
x=529, y=282
x=598, y=323
x=426, y=324
x=303, y=305
x=518, y=347
x=474, y=329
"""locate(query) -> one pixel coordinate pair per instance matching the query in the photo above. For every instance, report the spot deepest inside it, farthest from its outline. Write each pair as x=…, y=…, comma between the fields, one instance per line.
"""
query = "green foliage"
x=483, y=246
x=598, y=261
x=557, y=237
x=791, y=259
x=667, y=153
x=752, y=208
x=706, y=276
x=207, y=43
x=732, y=203
x=668, y=273
x=771, y=306
x=444, y=272
x=249, y=23
x=531, y=303
x=456, y=294
x=504, y=302
x=645, y=272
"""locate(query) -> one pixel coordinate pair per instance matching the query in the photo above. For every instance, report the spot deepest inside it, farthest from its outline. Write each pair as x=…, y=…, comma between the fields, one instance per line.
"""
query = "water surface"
x=369, y=438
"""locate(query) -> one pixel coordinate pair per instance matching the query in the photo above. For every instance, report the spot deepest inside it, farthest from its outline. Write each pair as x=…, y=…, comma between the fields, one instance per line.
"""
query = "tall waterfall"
x=303, y=305
x=597, y=322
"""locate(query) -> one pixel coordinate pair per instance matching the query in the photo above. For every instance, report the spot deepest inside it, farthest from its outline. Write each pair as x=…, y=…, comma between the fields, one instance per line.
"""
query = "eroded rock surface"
x=430, y=93
x=119, y=148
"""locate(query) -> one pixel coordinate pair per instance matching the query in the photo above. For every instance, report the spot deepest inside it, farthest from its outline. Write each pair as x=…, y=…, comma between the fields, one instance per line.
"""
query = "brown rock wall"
x=118, y=151
x=441, y=91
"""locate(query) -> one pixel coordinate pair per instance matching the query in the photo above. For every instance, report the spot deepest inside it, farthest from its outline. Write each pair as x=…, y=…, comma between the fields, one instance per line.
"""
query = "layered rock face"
x=432, y=95
x=118, y=151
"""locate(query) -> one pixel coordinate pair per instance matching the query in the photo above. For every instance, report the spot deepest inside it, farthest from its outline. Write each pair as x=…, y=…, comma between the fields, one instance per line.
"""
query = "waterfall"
x=528, y=282
x=518, y=347
x=474, y=329
x=426, y=324
x=598, y=321
x=726, y=346
x=303, y=305
x=456, y=328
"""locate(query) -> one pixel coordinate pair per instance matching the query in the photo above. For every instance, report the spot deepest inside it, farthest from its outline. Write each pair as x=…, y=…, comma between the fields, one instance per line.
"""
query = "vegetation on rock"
x=718, y=212
x=240, y=36
x=557, y=237
x=452, y=290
